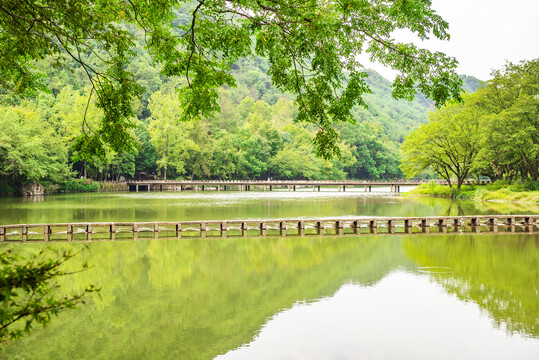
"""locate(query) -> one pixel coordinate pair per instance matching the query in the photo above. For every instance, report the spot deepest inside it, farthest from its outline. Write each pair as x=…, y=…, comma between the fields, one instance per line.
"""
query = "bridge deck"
x=70, y=231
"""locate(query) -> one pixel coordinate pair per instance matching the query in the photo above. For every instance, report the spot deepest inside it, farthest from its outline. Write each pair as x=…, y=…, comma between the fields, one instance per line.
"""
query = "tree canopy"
x=447, y=144
x=494, y=132
x=312, y=49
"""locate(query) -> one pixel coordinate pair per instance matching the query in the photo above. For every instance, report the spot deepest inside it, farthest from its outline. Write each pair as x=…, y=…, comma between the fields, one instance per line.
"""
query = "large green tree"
x=447, y=144
x=169, y=139
x=30, y=151
x=510, y=125
x=312, y=48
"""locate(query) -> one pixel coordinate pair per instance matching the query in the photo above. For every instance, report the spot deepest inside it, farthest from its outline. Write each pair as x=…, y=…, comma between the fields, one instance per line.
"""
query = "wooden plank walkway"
x=207, y=228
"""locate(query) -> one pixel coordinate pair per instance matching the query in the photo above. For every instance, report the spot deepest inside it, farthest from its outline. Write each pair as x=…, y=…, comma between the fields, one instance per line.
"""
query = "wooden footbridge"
x=270, y=227
x=269, y=185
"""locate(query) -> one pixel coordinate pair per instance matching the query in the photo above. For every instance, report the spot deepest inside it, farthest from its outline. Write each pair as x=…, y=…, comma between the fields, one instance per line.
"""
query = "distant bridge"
x=291, y=185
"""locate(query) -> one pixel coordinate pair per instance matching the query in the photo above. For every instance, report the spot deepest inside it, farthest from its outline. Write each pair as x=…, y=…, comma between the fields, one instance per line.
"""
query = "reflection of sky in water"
x=369, y=323
x=211, y=197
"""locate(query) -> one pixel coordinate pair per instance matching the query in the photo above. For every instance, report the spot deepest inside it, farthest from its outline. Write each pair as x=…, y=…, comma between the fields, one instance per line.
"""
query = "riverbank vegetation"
x=493, y=133
x=527, y=192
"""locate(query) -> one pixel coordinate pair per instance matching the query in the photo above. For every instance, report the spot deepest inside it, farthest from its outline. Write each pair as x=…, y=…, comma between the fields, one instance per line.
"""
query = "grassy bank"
x=498, y=191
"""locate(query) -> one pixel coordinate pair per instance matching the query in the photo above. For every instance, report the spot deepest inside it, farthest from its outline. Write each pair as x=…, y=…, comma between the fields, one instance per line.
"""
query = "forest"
x=55, y=125
x=253, y=136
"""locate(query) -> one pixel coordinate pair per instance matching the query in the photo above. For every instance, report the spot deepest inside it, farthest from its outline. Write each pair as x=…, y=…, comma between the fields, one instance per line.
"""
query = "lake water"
x=455, y=296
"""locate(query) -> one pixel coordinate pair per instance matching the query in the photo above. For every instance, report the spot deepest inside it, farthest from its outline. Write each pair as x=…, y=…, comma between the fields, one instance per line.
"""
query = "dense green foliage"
x=254, y=135
x=311, y=50
x=494, y=133
x=75, y=185
x=28, y=291
x=526, y=192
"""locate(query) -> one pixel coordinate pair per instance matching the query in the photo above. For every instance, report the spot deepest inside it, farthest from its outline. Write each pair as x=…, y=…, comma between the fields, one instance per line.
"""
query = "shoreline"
x=493, y=193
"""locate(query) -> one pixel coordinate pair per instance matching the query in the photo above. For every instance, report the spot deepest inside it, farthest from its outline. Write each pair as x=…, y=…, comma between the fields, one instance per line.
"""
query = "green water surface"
x=356, y=297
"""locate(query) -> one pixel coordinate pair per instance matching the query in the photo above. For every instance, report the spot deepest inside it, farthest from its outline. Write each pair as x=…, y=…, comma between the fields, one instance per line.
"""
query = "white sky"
x=484, y=34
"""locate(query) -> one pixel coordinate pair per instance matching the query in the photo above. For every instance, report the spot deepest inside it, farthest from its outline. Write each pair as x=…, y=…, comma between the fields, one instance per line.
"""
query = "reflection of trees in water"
x=199, y=298
x=499, y=273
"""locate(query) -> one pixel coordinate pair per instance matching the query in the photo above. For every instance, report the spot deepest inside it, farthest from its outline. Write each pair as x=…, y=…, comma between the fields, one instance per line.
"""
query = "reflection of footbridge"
x=247, y=185
x=475, y=224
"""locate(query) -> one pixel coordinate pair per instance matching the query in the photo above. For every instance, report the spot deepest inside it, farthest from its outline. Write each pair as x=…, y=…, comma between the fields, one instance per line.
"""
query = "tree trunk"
x=166, y=155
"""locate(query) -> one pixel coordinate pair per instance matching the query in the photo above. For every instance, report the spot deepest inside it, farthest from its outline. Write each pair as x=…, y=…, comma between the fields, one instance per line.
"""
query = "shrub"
x=531, y=185
x=79, y=185
x=113, y=186
x=6, y=188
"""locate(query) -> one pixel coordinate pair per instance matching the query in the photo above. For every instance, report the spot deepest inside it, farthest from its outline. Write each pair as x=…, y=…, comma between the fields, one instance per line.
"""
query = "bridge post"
x=271, y=188
x=314, y=189
x=339, y=188
x=202, y=187
x=218, y=187
x=288, y=187
x=148, y=187
x=136, y=188
x=196, y=187
x=265, y=186
x=391, y=188
x=365, y=188
x=294, y=187
x=344, y=188
x=318, y=188
x=370, y=188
